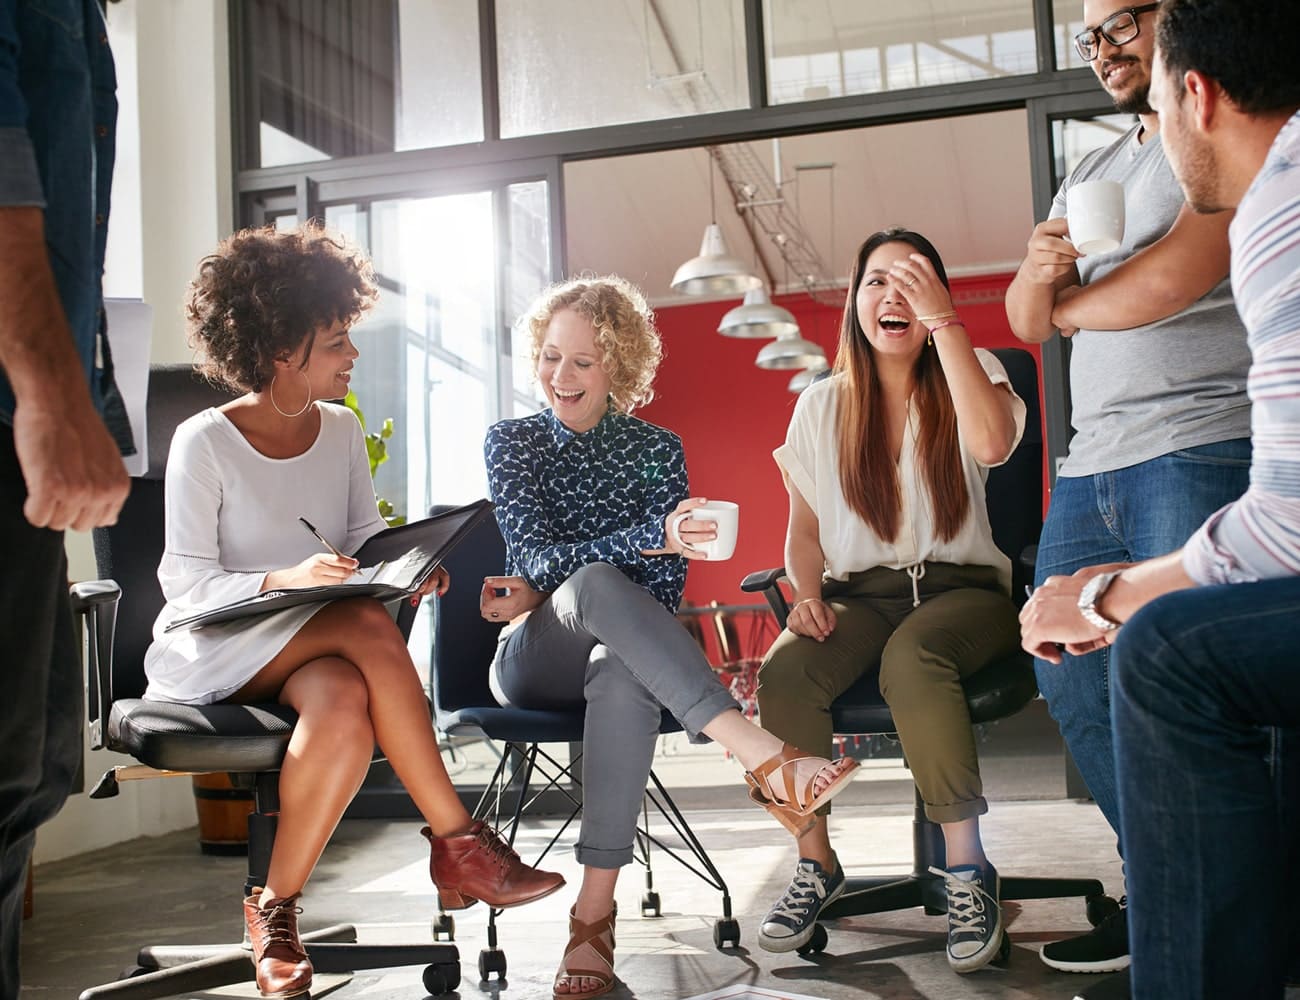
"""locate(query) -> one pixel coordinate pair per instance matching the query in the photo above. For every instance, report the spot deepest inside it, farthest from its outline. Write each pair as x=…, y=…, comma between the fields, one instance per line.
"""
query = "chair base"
x=166, y=970
x=885, y=893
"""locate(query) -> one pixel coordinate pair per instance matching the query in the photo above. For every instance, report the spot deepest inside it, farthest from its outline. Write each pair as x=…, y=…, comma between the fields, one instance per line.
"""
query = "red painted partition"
x=731, y=415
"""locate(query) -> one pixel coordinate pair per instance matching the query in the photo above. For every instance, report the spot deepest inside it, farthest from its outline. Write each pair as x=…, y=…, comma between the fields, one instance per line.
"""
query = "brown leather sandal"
x=598, y=961
x=774, y=786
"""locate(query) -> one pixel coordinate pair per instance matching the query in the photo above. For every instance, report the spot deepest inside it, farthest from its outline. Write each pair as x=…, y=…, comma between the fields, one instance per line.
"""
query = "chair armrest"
x=95, y=604
x=767, y=582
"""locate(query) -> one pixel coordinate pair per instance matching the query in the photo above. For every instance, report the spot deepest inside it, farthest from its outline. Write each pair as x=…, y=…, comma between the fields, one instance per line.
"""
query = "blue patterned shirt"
x=564, y=500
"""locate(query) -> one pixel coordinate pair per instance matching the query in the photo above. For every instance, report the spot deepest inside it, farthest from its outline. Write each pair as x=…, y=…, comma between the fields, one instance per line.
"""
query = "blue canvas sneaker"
x=974, y=915
x=791, y=922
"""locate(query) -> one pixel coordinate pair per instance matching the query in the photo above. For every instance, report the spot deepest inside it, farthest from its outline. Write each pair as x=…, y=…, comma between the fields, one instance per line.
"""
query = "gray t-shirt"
x=1176, y=383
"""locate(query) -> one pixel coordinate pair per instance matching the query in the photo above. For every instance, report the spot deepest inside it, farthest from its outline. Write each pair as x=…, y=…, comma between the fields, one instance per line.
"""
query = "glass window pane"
x=1067, y=21
x=840, y=47
x=1073, y=138
x=528, y=271
x=348, y=77
x=583, y=63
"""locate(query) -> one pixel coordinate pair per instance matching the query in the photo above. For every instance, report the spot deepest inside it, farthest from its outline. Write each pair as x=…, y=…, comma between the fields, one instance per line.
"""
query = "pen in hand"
x=321, y=538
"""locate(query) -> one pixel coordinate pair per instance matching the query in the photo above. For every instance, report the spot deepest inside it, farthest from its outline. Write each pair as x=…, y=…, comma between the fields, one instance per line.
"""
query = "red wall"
x=731, y=415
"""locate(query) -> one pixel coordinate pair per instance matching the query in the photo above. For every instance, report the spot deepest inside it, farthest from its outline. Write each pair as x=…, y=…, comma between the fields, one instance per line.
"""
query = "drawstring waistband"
x=916, y=573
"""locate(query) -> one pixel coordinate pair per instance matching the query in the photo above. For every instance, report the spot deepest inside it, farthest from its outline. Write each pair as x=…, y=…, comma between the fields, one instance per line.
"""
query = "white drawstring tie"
x=916, y=572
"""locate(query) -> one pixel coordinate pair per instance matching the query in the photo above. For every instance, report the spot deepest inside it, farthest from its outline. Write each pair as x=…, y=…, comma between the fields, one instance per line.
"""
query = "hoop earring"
x=271, y=392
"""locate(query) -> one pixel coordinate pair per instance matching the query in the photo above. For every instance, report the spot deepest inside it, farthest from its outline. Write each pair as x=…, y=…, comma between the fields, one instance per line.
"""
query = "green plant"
x=377, y=453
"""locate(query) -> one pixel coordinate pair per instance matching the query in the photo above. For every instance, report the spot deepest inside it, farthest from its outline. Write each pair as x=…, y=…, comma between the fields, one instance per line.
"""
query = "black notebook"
x=394, y=563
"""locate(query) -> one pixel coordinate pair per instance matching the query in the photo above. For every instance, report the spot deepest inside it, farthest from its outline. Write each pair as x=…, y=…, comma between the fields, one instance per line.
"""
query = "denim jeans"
x=1208, y=822
x=1126, y=515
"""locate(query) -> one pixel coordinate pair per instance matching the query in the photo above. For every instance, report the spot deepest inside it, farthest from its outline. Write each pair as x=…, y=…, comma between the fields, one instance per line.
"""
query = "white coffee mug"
x=1095, y=213
x=723, y=513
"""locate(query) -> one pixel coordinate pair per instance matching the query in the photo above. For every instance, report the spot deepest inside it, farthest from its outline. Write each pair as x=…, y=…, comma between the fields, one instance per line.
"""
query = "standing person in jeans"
x=59, y=466
x=1157, y=384
x=1204, y=638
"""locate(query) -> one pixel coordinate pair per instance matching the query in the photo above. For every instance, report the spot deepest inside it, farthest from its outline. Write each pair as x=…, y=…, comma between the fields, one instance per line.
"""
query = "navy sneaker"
x=791, y=922
x=974, y=915
x=1102, y=949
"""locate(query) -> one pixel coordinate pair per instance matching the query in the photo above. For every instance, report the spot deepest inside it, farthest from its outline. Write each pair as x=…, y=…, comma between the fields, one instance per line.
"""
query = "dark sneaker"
x=792, y=920
x=1109, y=988
x=1102, y=949
x=974, y=915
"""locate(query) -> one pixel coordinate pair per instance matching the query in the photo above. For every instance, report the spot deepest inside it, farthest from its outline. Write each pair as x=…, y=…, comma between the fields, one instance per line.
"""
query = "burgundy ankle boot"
x=283, y=968
x=477, y=864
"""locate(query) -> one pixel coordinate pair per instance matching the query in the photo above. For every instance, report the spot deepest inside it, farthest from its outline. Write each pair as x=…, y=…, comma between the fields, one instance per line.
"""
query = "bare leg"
x=595, y=900
x=329, y=754
x=816, y=844
x=361, y=632
x=753, y=744
x=962, y=843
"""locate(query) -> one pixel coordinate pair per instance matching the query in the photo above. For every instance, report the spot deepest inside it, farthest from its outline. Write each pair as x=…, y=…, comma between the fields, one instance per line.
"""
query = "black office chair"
x=1015, y=497
x=463, y=647
x=247, y=741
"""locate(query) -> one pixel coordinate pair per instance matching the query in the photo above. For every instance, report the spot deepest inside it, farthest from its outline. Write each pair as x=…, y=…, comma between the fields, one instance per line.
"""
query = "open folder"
x=394, y=563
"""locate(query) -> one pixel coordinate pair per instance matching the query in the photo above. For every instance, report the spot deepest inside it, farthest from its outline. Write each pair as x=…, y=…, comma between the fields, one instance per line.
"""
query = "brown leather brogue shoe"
x=283, y=968
x=478, y=865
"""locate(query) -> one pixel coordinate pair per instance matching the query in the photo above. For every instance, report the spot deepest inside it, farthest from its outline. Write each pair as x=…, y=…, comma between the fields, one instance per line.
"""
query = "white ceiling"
x=962, y=182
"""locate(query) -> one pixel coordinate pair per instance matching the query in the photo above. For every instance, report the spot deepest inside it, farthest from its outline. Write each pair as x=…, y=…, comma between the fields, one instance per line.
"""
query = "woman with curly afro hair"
x=595, y=511
x=270, y=313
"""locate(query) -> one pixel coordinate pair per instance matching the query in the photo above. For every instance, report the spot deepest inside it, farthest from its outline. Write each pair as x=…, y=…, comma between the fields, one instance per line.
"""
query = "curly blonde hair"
x=630, y=345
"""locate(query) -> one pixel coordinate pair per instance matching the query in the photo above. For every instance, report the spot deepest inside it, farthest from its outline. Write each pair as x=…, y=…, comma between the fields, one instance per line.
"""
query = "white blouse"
x=810, y=460
x=232, y=517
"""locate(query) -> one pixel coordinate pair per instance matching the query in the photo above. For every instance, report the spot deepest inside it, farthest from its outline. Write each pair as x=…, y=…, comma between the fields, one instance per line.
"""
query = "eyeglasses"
x=1118, y=29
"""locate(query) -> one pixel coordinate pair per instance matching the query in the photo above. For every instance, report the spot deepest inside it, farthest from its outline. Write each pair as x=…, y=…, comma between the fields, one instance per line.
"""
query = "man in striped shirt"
x=1207, y=663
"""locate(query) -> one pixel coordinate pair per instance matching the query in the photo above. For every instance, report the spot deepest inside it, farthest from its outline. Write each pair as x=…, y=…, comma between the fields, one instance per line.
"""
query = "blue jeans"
x=1126, y=515
x=1209, y=824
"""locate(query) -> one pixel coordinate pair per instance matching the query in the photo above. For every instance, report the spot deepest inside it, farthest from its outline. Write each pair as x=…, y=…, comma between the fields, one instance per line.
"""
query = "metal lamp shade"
x=758, y=317
x=790, y=351
x=805, y=378
x=714, y=271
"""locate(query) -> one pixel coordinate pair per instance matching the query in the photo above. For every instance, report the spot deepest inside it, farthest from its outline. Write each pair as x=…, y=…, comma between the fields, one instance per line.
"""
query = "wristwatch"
x=1090, y=595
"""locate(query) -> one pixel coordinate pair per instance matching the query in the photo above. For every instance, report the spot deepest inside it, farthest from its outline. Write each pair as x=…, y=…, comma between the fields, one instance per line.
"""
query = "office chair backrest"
x=1015, y=488
x=461, y=655
x=129, y=551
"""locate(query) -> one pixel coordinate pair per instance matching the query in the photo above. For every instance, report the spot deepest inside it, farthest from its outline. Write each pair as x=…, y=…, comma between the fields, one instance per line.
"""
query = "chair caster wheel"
x=1099, y=908
x=726, y=933
x=491, y=960
x=444, y=927
x=815, y=944
x=132, y=971
x=650, y=904
x=440, y=979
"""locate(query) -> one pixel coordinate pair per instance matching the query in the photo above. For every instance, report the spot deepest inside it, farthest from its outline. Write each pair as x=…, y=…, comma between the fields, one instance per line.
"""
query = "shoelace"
x=279, y=923
x=497, y=849
x=804, y=887
x=966, y=902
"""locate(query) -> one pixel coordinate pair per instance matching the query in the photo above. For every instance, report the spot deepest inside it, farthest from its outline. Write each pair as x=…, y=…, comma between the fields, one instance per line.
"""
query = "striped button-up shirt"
x=1258, y=536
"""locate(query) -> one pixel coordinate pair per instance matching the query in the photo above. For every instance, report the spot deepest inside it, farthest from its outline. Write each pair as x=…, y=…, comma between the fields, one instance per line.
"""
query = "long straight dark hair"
x=868, y=475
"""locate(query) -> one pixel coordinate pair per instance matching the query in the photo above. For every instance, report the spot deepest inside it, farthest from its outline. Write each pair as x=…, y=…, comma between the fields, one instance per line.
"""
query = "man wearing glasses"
x=1158, y=366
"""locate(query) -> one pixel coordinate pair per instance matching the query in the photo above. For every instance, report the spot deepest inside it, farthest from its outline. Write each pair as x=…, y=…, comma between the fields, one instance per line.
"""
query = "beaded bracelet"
x=949, y=322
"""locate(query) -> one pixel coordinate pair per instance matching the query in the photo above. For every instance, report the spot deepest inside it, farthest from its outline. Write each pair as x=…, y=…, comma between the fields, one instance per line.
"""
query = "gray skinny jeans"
x=604, y=641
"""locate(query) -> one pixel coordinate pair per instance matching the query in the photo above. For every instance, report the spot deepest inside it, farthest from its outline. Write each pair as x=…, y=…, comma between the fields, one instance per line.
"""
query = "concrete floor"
x=93, y=912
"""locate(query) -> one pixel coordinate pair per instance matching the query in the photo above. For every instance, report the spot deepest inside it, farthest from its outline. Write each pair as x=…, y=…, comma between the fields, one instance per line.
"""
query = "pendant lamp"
x=789, y=351
x=758, y=317
x=808, y=376
x=714, y=271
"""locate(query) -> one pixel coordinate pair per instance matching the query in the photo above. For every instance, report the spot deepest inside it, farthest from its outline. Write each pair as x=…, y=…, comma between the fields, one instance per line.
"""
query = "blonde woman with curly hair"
x=585, y=495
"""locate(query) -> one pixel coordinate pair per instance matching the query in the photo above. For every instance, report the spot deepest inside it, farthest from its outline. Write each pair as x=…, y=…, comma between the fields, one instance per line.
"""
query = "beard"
x=1197, y=167
x=1135, y=102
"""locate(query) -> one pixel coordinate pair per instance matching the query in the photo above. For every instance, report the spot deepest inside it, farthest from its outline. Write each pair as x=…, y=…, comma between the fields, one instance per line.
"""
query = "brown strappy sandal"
x=598, y=938
x=774, y=786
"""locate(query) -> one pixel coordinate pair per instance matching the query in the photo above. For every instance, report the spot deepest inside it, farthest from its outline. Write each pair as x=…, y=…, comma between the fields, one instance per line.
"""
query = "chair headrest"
x=176, y=393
